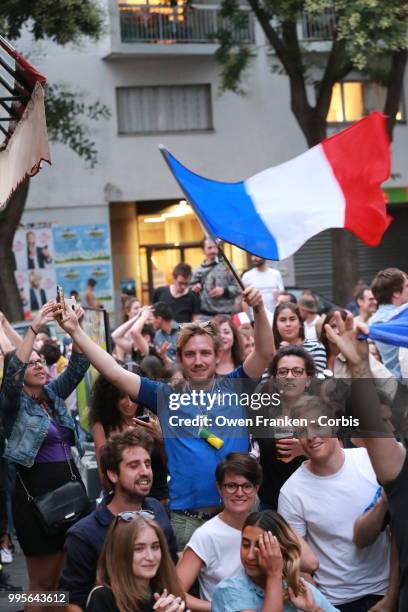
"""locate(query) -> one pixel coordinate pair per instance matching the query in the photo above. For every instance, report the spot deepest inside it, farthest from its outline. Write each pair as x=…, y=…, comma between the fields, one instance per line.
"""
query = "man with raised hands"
x=204, y=422
x=388, y=457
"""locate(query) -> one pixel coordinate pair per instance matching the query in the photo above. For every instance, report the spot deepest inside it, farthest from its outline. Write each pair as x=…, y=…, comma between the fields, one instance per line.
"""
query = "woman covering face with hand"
x=135, y=570
x=269, y=580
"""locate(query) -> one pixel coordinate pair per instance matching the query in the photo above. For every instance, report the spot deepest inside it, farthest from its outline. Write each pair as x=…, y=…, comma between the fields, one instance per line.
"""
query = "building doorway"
x=160, y=259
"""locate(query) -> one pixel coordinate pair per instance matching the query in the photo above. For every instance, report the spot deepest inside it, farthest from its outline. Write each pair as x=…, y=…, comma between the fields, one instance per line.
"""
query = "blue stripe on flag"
x=394, y=331
x=226, y=210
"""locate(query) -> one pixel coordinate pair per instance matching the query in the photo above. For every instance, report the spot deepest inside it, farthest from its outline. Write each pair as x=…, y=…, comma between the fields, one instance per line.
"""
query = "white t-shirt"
x=310, y=329
x=323, y=509
x=218, y=545
x=269, y=283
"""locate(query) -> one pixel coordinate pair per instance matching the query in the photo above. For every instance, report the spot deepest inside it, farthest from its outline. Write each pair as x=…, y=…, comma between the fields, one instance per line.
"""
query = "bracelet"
x=33, y=330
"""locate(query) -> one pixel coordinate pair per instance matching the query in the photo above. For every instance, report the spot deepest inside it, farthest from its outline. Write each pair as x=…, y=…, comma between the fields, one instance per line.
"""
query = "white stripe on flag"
x=292, y=199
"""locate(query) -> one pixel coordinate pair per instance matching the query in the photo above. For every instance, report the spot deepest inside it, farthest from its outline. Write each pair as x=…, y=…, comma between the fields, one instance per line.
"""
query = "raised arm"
x=126, y=381
x=10, y=332
x=386, y=454
x=44, y=315
x=136, y=330
x=118, y=336
x=259, y=359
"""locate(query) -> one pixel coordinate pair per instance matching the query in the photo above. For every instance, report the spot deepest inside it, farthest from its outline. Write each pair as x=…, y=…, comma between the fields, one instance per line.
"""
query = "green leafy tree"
x=366, y=36
x=62, y=21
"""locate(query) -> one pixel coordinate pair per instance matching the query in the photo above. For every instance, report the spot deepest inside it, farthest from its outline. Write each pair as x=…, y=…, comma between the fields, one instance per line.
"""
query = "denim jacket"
x=25, y=423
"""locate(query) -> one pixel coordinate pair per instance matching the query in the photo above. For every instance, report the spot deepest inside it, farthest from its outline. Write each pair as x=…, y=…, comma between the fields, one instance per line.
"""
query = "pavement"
x=17, y=576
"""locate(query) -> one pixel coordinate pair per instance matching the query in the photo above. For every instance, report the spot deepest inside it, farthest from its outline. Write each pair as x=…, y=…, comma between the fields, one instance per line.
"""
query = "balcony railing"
x=171, y=25
x=318, y=27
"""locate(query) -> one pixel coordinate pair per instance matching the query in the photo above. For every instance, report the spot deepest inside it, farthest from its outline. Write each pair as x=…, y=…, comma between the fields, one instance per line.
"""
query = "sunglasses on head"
x=129, y=515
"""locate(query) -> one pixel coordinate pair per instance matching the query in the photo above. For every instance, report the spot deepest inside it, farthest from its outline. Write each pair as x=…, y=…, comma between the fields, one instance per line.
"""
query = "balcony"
x=317, y=27
x=150, y=29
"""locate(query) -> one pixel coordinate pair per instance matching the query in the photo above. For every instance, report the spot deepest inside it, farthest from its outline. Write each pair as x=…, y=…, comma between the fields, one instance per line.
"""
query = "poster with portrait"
x=46, y=255
x=33, y=248
x=36, y=287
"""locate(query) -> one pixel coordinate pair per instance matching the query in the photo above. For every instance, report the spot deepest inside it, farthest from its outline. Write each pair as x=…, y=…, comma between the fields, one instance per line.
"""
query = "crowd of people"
x=251, y=450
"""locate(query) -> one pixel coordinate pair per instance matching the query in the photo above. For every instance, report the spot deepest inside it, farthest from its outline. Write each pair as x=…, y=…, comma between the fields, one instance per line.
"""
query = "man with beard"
x=266, y=279
x=125, y=461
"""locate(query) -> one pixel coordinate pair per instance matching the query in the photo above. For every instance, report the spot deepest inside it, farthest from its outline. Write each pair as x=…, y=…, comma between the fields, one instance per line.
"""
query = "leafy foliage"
x=62, y=21
x=64, y=112
x=362, y=30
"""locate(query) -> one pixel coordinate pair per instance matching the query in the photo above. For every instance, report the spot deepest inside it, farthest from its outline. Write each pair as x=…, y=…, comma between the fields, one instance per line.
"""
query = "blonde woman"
x=269, y=580
x=135, y=570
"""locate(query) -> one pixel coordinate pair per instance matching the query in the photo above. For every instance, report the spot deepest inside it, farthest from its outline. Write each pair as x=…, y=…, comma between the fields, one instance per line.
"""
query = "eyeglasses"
x=296, y=372
x=232, y=487
x=129, y=515
x=36, y=362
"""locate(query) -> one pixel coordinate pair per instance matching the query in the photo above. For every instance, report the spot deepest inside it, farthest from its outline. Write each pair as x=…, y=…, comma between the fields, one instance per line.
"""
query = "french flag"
x=271, y=214
x=394, y=331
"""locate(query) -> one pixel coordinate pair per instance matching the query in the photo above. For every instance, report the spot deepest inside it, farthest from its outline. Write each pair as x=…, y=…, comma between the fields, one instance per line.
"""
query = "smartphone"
x=60, y=294
x=71, y=302
x=144, y=417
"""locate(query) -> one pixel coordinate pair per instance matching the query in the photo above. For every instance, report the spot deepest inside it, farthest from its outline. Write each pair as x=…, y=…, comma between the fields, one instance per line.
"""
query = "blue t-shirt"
x=240, y=593
x=192, y=460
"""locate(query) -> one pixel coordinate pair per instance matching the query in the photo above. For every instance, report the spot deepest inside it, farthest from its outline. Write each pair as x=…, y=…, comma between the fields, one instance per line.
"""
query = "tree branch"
x=394, y=88
x=272, y=36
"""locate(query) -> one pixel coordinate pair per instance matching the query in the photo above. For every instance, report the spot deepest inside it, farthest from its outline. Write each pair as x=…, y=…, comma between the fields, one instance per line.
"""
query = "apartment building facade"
x=156, y=72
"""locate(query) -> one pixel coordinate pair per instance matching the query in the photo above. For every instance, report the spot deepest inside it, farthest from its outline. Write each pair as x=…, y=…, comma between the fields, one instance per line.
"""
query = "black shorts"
x=39, y=479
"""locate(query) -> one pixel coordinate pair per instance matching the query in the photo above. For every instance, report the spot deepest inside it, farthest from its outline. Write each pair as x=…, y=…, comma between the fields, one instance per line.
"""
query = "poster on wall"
x=82, y=243
x=96, y=326
x=75, y=278
x=33, y=248
x=36, y=287
x=46, y=255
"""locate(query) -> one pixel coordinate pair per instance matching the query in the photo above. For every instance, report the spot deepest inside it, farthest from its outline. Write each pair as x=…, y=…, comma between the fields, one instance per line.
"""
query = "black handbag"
x=61, y=508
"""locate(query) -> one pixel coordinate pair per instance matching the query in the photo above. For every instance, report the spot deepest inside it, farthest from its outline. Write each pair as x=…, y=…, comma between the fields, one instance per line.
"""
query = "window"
x=351, y=100
x=151, y=110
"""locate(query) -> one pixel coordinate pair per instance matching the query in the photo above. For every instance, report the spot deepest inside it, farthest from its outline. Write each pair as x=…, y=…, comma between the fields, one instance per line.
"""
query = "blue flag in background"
x=394, y=331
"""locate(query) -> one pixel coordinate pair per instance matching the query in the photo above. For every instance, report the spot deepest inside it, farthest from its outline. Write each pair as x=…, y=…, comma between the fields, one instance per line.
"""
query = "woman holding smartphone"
x=40, y=432
x=112, y=411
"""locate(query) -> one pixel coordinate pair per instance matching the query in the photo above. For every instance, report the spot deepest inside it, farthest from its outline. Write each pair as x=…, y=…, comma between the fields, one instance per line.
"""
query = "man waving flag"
x=335, y=184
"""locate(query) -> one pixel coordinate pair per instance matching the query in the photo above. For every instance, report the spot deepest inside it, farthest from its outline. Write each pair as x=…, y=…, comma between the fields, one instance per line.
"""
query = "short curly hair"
x=112, y=451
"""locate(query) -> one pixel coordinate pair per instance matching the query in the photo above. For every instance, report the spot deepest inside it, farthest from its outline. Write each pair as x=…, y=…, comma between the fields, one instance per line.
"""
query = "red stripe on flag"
x=360, y=160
